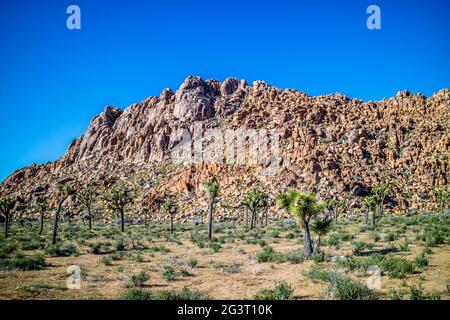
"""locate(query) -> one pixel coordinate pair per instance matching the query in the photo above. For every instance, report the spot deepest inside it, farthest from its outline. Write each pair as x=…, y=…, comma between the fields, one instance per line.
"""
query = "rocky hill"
x=331, y=144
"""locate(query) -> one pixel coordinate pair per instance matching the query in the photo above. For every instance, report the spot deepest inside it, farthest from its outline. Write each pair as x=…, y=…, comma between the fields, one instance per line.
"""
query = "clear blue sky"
x=53, y=80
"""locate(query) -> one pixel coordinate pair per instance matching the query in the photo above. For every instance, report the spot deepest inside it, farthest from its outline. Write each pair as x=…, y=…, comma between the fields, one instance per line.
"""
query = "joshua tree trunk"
x=42, y=224
x=267, y=217
x=307, y=239
x=252, y=219
x=210, y=220
x=55, y=225
x=366, y=216
x=246, y=217
x=122, y=220
x=171, y=223
x=317, y=246
x=374, y=218
x=6, y=225
x=335, y=215
x=90, y=218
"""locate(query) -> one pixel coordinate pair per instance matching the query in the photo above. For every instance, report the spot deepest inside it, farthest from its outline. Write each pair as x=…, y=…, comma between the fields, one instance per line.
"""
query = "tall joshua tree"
x=320, y=227
x=64, y=192
x=212, y=191
x=6, y=206
x=87, y=198
x=41, y=207
x=442, y=197
x=370, y=204
x=171, y=208
x=255, y=201
x=304, y=206
x=116, y=199
x=380, y=192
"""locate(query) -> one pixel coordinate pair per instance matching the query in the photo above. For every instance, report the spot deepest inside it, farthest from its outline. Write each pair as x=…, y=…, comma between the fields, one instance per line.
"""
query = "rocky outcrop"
x=329, y=144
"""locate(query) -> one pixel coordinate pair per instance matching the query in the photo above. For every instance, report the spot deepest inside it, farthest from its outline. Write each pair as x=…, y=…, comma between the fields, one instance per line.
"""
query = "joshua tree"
x=87, y=198
x=369, y=202
x=64, y=192
x=171, y=208
x=304, y=206
x=41, y=207
x=442, y=197
x=6, y=206
x=116, y=200
x=336, y=205
x=145, y=213
x=320, y=227
x=255, y=201
x=380, y=191
x=212, y=191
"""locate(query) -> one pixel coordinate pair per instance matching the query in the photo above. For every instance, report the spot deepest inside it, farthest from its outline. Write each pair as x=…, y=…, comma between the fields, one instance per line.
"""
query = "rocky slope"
x=330, y=144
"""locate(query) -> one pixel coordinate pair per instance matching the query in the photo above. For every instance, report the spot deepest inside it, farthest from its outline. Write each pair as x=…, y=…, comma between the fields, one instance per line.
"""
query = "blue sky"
x=54, y=80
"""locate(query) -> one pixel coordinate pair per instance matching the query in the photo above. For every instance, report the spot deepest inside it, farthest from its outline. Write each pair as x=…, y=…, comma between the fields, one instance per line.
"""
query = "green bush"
x=319, y=257
x=119, y=245
x=392, y=266
x=421, y=260
x=169, y=273
x=267, y=255
x=345, y=288
x=192, y=262
x=294, y=257
x=183, y=294
x=282, y=291
x=22, y=262
x=106, y=260
x=138, y=280
x=418, y=293
x=61, y=250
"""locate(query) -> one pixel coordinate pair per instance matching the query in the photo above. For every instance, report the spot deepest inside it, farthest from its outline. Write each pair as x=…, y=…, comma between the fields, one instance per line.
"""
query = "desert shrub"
x=161, y=248
x=333, y=240
x=375, y=237
x=268, y=255
x=391, y=236
x=282, y=291
x=184, y=294
x=360, y=246
x=115, y=256
x=96, y=247
x=192, y=262
x=33, y=245
x=137, y=294
x=421, y=260
x=106, y=260
x=61, y=250
x=22, y=262
x=215, y=247
x=275, y=233
x=228, y=268
x=392, y=266
x=319, y=257
x=138, y=280
x=418, y=293
x=169, y=273
x=119, y=245
x=7, y=248
x=404, y=246
x=345, y=288
x=294, y=257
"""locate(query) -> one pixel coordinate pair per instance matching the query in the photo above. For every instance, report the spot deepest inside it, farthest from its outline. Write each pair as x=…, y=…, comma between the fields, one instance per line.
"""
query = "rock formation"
x=329, y=144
